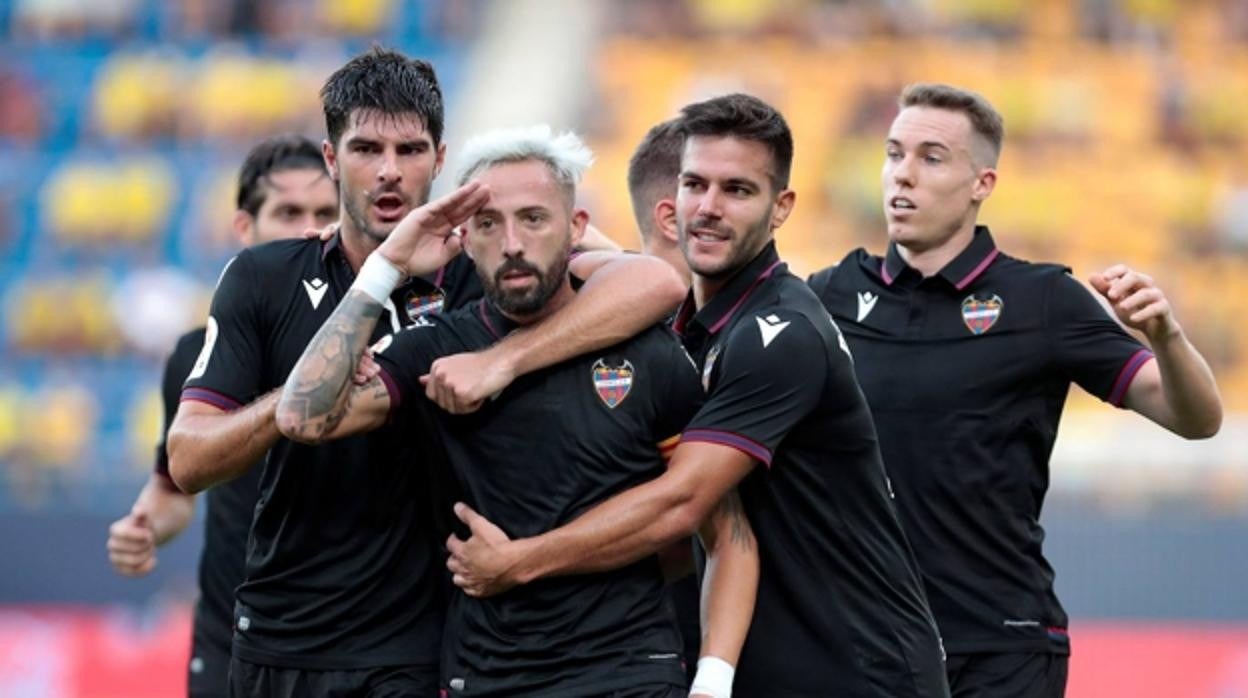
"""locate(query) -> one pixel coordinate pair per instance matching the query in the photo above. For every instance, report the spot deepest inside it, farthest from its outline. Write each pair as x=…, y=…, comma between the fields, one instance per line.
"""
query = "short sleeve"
x=681, y=394
x=771, y=375
x=406, y=355
x=177, y=367
x=227, y=372
x=1092, y=349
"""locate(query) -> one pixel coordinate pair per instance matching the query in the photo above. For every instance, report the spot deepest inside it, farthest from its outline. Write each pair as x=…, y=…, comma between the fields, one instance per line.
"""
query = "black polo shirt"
x=545, y=450
x=966, y=373
x=227, y=518
x=343, y=569
x=840, y=607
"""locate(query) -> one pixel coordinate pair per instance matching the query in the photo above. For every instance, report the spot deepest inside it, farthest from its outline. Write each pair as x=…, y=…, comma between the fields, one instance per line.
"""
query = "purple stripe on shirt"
x=979, y=269
x=1126, y=375
x=396, y=396
x=211, y=397
x=732, y=311
x=744, y=444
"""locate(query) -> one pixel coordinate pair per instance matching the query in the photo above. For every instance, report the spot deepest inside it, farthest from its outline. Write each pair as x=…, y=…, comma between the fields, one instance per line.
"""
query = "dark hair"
x=654, y=169
x=386, y=82
x=277, y=154
x=748, y=118
x=985, y=120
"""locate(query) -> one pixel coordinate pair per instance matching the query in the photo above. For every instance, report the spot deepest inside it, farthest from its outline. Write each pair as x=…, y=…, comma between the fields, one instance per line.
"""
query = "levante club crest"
x=612, y=382
x=980, y=314
x=418, y=305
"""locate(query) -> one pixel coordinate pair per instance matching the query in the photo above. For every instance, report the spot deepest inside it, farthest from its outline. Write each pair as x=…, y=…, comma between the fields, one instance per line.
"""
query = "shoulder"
x=190, y=342
x=781, y=332
x=285, y=257
x=845, y=271
x=1015, y=270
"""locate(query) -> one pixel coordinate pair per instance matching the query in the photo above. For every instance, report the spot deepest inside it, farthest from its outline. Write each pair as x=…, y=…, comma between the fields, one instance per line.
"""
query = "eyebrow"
x=924, y=144
x=737, y=181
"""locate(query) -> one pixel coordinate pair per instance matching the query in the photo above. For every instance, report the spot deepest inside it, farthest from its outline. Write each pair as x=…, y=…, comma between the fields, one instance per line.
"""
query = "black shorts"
x=208, y=672
x=1007, y=675
x=249, y=680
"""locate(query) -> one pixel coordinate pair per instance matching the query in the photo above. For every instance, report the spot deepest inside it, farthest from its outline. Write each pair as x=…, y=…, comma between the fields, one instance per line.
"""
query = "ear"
x=244, y=227
x=440, y=161
x=580, y=219
x=785, y=201
x=665, y=219
x=331, y=159
x=465, y=241
x=985, y=182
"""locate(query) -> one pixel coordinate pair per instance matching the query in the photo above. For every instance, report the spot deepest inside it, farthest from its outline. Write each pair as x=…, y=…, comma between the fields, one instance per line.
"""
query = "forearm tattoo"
x=319, y=391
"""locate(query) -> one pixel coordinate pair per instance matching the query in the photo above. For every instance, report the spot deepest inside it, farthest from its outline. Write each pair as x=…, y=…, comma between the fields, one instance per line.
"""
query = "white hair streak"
x=566, y=154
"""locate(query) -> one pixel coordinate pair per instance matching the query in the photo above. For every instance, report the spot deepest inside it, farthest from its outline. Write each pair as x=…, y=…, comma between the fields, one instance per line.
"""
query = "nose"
x=513, y=246
x=710, y=204
x=389, y=172
x=903, y=171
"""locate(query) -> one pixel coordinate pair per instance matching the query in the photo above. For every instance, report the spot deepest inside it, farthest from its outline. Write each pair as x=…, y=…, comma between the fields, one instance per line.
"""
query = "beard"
x=745, y=246
x=527, y=302
x=357, y=205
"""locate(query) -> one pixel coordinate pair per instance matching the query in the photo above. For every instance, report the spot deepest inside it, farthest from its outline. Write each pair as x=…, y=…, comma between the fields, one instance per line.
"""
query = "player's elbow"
x=1205, y=427
x=182, y=468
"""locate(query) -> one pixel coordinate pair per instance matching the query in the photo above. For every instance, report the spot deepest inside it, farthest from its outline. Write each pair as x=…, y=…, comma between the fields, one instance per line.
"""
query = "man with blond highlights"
x=966, y=355
x=544, y=449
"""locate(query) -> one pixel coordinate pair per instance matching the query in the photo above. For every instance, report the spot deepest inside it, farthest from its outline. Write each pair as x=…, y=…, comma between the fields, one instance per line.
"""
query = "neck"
x=704, y=289
x=562, y=297
x=929, y=261
x=672, y=255
x=356, y=244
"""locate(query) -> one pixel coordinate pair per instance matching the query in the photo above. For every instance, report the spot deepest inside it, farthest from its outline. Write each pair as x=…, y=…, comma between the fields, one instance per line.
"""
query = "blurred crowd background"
x=123, y=123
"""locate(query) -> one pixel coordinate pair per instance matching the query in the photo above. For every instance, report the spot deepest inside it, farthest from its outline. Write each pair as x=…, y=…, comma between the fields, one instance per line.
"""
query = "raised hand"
x=1137, y=301
x=425, y=239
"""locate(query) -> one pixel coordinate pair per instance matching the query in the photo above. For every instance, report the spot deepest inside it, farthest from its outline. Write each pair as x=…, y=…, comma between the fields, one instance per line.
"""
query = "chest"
x=935, y=348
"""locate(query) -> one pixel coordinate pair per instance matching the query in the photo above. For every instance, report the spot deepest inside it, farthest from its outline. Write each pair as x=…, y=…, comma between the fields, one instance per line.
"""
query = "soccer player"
x=541, y=452
x=840, y=607
x=966, y=355
x=652, y=173
x=283, y=188
x=342, y=592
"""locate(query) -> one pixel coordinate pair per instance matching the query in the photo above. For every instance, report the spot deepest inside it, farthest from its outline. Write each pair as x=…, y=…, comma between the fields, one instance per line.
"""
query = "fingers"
x=131, y=548
x=1128, y=283
x=455, y=546
x=1140, y=299
x=457, y=206
x=465, y=513
x=367, y=369
x=324, y=234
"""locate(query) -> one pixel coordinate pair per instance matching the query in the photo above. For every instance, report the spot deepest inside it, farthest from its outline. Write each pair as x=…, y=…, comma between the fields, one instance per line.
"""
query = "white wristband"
x=714, y=678
x=377, y=277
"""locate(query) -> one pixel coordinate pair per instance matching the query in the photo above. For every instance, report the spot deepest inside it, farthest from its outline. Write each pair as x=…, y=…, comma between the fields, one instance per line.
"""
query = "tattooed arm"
x=730, y=584
x=319, y=401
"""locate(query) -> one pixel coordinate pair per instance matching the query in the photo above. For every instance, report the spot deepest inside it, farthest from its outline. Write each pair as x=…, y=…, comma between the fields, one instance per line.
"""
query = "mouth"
x=389, y=208
x=901, y=206
x=516, y=278
x=708, y=236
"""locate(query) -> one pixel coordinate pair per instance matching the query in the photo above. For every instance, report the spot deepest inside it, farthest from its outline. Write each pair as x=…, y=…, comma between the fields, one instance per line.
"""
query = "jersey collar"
x=960, y=272
x=724, y=304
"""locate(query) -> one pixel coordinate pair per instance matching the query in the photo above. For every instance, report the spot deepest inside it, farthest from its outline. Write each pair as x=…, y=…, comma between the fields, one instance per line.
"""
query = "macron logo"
x=770, y=327
x=316, y=291
x=866, y=303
